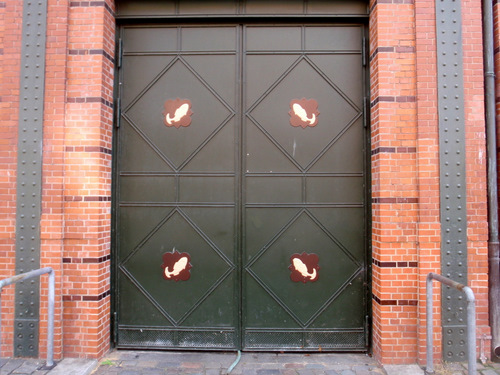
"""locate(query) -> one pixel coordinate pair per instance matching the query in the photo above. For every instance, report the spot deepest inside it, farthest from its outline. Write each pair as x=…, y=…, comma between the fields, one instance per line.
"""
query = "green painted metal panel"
x=177, y=184
x=240, y=188
x=29, y=175
x=126, y=9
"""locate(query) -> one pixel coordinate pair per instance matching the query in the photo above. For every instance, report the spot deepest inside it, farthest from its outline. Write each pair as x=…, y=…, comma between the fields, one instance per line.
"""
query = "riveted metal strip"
x=29, y=175
x=452, y=175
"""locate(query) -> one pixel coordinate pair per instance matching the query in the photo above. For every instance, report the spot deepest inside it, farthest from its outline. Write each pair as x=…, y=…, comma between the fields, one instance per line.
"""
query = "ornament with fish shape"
x=304, y=112
x=176, y=266
x=177, y=113
x=304, y=267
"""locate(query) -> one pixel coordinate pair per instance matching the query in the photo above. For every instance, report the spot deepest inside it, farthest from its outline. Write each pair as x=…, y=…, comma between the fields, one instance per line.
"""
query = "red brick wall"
x=87, y=178
x=394, y=180
x=52, y=219
x=10, y=52
x=476, y=162
x=76, y=200
x=76, y=209
x=405, y=172
x=428, y=226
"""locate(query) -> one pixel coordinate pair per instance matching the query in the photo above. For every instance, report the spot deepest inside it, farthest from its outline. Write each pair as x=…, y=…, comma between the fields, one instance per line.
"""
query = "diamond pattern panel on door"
x=177, y=233
x=303, y=80
x=337, y=265
x=210, y=112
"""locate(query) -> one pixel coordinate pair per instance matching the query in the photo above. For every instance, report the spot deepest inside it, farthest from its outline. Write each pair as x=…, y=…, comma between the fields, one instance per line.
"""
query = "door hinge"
x=118, y=112
x=364, y=48
x=119, y=53
x=366, y=111
x=367, y=331
x=115, y=327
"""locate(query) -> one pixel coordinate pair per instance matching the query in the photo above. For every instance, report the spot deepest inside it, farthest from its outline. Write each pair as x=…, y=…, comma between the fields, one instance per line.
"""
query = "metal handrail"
x=471, y=322
x=50, y=327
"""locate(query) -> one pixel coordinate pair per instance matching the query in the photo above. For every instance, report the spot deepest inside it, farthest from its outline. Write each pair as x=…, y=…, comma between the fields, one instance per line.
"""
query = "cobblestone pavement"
x=149, y=363
x=208, y=363
x=20, y=366
x=461, y=369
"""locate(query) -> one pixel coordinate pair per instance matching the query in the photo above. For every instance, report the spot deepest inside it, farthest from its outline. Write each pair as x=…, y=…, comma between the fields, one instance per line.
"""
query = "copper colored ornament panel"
x=176, y=266
x=177, y=113
x=304, y=112
x=304, y=267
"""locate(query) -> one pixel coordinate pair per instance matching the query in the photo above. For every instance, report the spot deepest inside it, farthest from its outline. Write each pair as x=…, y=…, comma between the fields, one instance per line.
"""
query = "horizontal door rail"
x=471, y=321
x=50, y=334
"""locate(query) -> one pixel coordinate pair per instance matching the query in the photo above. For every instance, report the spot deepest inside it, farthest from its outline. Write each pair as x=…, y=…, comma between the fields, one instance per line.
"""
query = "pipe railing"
x=50, y=327
x=471, y=322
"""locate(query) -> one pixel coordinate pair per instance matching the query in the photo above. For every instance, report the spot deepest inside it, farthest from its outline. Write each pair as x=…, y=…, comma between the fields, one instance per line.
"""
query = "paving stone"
x=306, y=371
x=192, y=365
x=128, y=363
x=130, y=372
x=315, y=366
x=489, y=372
x=295, y=365
x=172, y=371
x=11, y=365
x=106, y=371
x=27, y=368
x=455, y=366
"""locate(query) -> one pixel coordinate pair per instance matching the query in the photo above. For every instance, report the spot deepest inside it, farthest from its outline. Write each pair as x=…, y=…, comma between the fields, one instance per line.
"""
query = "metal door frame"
x=242, y=21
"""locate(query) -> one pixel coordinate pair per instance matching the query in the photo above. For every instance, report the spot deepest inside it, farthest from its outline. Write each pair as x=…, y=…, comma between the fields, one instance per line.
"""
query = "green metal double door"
x=240, y=188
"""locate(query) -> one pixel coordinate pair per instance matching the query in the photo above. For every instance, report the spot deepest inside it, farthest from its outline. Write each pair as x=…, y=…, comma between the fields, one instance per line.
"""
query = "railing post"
x=471, y=329
x=471, y=321
x=429, y=309
x=50, y=324
x=51, y=303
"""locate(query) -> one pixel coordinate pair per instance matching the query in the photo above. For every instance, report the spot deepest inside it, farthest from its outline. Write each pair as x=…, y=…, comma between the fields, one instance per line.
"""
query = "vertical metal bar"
x=430, y=357
x=471, y=330
x=50, y=325
x=29, y=174
x=452, y=175
x=240, y=150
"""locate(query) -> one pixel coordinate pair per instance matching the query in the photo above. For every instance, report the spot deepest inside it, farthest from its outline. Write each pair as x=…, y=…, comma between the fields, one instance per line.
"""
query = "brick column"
x=394, y=180
x=476, y=164
x=52, y=219
x=10, y=53
x=429, y=227
x=87, y=179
